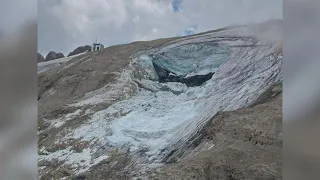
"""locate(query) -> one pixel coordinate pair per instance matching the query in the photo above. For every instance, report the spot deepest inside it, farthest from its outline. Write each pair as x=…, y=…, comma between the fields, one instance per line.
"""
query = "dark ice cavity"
x=191, y=64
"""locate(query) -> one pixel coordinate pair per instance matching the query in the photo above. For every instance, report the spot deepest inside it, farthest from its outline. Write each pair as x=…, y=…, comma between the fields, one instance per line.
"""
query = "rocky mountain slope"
x=143, y=105
x=80, y=49
x=53, y=55
x=44, y=66
x=40, y=58
x=241, y=144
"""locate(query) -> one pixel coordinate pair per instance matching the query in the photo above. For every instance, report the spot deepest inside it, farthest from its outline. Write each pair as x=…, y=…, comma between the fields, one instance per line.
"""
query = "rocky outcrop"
x=79, y=50
x=40, y=58
x=53, y=55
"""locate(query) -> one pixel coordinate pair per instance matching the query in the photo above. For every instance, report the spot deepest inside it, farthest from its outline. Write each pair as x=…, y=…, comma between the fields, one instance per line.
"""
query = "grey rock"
x=79, y=50
x=53, y=55
x=40, y=58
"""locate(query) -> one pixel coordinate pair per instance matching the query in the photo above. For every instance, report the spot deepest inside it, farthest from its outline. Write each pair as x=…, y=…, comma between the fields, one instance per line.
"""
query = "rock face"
x=79, y=50
x=53, y=55
x=40, y=58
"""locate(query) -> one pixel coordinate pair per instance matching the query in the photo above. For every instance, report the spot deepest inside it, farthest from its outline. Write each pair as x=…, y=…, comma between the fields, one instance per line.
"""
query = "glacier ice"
x=160, y=118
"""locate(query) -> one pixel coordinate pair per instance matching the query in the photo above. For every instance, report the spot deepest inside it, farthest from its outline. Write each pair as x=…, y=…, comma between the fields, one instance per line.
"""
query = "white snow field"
x=156, y=121
x=44, y=66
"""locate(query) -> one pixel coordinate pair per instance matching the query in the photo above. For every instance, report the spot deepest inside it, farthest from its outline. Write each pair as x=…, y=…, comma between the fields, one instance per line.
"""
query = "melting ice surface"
x=150, y=118
x=193, y=58
x=155, y=120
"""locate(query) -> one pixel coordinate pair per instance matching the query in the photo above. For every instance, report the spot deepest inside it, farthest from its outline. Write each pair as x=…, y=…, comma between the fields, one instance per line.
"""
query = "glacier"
x=156, y=120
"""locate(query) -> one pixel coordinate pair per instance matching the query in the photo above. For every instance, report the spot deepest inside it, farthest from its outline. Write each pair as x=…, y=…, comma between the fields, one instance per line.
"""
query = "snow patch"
x=79, y=161
x=56, y=123
x=44, y=66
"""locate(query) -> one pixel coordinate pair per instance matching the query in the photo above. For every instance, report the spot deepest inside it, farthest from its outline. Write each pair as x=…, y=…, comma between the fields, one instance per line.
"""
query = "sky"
x=64, y=25
x=11, y=12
